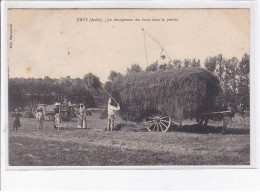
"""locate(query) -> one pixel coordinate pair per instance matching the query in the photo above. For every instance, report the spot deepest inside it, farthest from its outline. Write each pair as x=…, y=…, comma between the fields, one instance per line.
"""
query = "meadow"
x=129, y=145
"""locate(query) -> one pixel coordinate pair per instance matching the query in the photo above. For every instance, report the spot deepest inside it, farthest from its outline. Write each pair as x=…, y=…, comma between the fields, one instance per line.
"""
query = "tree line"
x=47, y=90
x=233, y=74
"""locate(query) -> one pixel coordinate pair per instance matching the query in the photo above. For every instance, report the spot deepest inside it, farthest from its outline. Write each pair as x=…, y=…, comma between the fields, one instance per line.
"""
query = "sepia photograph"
x=128, y=87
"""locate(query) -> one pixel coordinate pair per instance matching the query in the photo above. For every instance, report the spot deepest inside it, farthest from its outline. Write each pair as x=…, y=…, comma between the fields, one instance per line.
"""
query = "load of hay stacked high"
x=162, y=96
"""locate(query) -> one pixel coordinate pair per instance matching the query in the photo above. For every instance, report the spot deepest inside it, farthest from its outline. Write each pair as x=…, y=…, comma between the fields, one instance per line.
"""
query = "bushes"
x=23, y=91
x=183, y=93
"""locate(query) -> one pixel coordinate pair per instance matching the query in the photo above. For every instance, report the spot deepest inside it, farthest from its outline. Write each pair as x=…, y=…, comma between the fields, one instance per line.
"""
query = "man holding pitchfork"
x=111, y=114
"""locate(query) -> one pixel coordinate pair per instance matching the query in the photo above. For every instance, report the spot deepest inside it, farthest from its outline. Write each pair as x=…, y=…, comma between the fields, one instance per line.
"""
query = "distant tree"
x=92, y=81
x=170, y=66
x=23, y=92
x=230, y=83
x=65, y=81
x=163, y=66
x=211, y=63
x=243, y=83
x=195, y=63
x=135, y=68
x=113, y=75
x=234, y=81
x=152, y=67
x=177, y=64
x=16, y=95
x=108, y=86
x=220, y=69
x=187, y=63
x=231, y=74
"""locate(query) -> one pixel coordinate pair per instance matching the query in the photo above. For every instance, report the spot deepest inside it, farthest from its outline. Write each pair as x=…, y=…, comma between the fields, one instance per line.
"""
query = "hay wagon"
x=66, y=111
x=161, y=97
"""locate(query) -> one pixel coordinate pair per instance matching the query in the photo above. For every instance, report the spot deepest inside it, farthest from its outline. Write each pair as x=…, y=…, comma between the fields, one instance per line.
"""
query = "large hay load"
x=164, y=95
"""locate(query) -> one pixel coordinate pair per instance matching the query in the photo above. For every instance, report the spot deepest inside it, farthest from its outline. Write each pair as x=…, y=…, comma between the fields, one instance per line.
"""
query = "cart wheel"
x=158, y=123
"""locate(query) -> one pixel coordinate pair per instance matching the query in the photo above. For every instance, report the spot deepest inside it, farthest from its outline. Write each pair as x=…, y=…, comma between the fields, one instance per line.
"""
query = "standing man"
x=111, y=114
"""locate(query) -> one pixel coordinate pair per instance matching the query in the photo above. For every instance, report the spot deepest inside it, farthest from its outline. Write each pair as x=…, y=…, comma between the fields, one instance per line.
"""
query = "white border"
x=9, y=171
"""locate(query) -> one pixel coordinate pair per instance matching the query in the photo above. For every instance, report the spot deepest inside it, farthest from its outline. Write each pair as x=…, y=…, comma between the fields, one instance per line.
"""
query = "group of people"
x=81, y=114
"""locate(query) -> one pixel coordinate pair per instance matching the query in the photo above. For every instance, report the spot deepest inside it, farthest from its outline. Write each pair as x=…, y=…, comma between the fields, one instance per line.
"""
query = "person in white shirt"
x=111, y=114
x=82, y=117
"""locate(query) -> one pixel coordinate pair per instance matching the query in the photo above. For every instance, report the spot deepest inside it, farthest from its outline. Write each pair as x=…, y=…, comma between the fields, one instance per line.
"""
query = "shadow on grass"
x=209, y=129
x=184, y=129
x=133, y=127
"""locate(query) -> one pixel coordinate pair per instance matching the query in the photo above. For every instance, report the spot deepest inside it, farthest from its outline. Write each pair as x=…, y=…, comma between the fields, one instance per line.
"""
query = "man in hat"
x=111, y=114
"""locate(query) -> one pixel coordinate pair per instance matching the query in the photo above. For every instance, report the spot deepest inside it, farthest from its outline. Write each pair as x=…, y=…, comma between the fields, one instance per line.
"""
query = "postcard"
x=128, y=87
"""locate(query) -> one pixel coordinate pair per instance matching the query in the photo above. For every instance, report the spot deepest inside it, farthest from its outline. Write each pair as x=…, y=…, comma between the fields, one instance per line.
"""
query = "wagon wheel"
x=159, y=122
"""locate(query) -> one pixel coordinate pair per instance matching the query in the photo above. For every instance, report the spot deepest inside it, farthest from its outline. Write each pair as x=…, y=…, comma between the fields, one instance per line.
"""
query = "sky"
x=54, y=43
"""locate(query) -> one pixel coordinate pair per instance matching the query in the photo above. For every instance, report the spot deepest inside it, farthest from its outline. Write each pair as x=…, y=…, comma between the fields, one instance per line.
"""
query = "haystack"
x=103, y=114
x=181, y=94
x=126, y=126
x=28, y=114
x=91, y=81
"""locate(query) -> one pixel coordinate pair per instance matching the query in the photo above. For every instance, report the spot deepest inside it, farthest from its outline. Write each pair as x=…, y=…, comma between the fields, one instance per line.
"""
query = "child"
x=17, y=123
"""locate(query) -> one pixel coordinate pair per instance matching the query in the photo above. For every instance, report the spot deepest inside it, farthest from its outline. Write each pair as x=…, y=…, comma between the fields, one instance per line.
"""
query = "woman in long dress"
x=57, y=120
x=17, y=123
x=82, y=117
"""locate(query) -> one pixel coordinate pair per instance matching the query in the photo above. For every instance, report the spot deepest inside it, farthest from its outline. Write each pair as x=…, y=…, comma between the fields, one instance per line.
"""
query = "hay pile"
x=183, y=93
x=91, y=81
x=103, y=114
x=126, y=126
x=28, y=114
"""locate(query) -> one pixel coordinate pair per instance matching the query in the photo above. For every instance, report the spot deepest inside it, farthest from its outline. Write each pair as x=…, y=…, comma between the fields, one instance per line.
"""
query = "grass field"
x=131, y=145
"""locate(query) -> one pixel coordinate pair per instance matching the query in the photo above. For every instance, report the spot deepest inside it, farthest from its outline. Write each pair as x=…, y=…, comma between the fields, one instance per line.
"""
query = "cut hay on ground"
x=183, y=93
x=126, y=126
x=28, y=114
x=103, y=114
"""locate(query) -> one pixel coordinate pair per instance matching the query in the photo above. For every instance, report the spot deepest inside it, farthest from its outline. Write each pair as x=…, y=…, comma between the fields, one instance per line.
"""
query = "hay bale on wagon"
x=180, y=94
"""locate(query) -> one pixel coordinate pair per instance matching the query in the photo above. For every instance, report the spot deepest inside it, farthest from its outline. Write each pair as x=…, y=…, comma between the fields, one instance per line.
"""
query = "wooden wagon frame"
x=162, y=122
